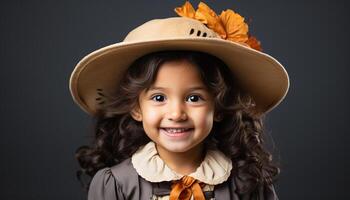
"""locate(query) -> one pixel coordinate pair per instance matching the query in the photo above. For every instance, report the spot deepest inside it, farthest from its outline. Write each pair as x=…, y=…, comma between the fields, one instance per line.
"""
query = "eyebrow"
x=190, y=89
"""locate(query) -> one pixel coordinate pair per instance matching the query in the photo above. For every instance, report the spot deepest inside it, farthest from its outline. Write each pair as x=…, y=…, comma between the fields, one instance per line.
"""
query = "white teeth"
x=176, y=130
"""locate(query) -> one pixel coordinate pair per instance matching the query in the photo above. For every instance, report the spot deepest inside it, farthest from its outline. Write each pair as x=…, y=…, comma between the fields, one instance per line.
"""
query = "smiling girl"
x=179, y=112
x=177, y=115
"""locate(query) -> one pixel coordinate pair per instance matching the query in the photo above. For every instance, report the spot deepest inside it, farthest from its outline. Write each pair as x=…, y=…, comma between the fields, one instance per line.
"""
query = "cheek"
x=151, y=116
x=204, y=118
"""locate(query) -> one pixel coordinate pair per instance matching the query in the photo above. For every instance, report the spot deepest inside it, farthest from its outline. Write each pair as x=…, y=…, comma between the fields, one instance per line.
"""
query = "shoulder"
x=118, y=182
x=237, y=188
x=123, y=168
x=125, y=173
x=116, y=173
x=103, y=186
x=108, y=183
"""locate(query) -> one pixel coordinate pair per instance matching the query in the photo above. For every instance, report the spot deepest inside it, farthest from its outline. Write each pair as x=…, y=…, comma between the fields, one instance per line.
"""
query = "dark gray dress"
x=121, y=182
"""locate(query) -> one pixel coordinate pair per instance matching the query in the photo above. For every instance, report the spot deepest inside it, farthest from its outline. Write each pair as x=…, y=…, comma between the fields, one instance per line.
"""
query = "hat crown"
x=174, y=27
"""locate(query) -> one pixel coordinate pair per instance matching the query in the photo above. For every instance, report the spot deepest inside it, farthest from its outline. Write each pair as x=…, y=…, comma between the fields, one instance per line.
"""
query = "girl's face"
x=177, y=111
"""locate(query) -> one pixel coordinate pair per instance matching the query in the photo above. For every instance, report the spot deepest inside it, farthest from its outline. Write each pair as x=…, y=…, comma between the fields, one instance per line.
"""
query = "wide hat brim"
x=96, y=76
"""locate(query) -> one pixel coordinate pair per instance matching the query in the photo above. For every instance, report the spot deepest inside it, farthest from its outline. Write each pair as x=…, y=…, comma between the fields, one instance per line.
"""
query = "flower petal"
x=254, y=43
x=235, y=27
x=186, y=10
x=229, y=25
x=207, y=16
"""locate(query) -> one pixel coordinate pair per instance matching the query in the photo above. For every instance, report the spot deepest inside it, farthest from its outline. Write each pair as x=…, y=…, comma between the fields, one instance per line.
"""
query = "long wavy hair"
x=239, y=132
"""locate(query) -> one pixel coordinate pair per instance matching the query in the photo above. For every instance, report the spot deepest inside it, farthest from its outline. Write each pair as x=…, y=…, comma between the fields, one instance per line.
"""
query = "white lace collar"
x=214, y=169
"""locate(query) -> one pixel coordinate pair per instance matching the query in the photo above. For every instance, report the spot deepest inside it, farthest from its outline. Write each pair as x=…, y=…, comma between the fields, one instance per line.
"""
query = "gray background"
x=41, y=127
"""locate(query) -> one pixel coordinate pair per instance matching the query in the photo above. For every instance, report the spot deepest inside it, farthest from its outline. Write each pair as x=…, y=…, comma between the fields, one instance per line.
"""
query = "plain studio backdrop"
x=41, y=127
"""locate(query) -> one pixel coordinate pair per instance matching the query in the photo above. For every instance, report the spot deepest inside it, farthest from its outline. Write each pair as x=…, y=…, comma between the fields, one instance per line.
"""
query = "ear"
x=136, y=113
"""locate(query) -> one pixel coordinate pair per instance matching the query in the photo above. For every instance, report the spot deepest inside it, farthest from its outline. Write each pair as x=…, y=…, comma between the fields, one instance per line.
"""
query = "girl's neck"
x=183, y=162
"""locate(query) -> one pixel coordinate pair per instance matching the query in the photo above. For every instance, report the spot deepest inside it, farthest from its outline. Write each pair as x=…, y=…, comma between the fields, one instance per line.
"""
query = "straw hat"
x=97, y=75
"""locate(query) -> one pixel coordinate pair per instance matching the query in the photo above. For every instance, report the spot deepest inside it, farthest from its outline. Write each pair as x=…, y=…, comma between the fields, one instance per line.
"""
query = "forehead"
x=178, y=73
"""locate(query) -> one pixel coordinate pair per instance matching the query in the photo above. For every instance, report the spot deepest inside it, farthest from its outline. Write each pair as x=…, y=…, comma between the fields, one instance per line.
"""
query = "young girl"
x=179, y=108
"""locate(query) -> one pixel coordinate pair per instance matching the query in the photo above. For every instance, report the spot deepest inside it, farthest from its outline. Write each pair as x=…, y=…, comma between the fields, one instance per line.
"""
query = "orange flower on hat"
x=228, y=25
x=208, y=16
x=254, y=43
x=186, y=10
x=235, y=27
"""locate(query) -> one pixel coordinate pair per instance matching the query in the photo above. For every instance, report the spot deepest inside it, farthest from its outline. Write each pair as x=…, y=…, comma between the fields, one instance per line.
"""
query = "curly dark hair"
x=238, y=133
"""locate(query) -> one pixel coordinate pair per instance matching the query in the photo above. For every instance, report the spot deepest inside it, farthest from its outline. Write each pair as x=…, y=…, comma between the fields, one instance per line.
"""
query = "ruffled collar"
x=214, y=169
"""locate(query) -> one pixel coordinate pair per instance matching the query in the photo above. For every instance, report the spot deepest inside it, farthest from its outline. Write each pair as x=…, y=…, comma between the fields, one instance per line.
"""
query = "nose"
x=177, y=112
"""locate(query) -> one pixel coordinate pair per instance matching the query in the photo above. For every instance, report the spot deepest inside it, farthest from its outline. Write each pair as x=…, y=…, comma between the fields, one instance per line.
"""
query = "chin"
x=177, y=147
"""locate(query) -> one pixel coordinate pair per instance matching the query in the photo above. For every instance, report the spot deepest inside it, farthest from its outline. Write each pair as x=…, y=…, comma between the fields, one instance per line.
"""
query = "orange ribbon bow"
x=184, y=188
x=229, y=25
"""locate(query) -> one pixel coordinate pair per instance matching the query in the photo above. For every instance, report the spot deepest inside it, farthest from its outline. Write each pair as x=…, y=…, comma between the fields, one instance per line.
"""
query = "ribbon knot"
x=184, y=188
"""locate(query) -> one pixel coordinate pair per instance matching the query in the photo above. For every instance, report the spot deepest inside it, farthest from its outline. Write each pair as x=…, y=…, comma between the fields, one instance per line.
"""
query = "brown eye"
x=194, y=98
x=158, y=97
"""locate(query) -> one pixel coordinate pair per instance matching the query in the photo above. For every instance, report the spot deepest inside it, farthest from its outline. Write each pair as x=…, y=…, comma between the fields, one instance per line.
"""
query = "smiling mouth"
x=176, y=132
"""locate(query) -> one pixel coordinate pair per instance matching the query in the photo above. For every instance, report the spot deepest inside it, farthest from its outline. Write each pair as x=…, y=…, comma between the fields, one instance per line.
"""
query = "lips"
x=176, y=132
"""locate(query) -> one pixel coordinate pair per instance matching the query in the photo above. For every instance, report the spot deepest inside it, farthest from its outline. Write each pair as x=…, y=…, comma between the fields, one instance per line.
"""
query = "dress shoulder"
x=104, y=186
x=119, y=182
